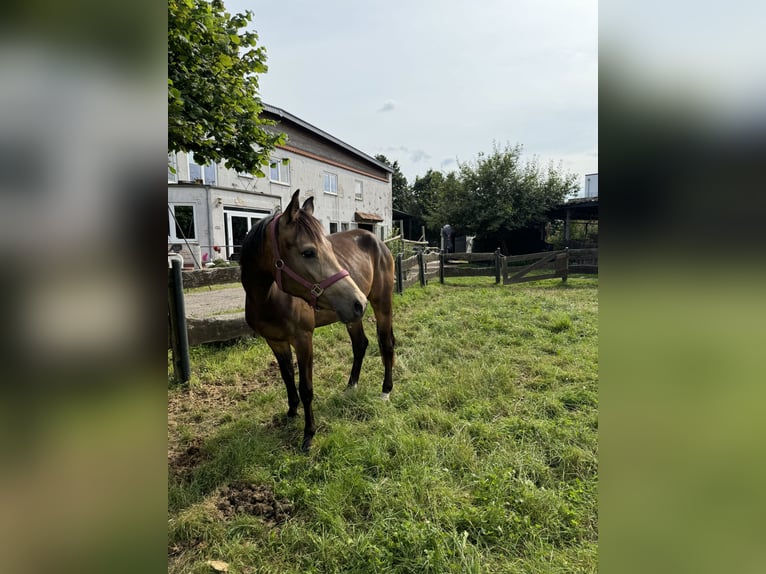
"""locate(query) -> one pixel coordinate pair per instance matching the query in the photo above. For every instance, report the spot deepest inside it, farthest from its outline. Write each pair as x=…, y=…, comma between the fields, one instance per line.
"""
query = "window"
x=279, y=171
x=330, y=183
x=358, y=189
x=205, y=173
x=333, y=227
x=344, y=226
x=181, y=223
x=172, y=168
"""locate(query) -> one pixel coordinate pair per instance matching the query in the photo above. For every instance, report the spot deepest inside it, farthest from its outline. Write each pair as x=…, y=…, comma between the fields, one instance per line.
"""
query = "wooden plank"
x=218, y=328
x=431, y=258
x=532, y=278
x=410, y=262
x=591, y=252
x=531, y=256
x=469, y=271
x=415, y=280
x=543, y=261
x=470, y=257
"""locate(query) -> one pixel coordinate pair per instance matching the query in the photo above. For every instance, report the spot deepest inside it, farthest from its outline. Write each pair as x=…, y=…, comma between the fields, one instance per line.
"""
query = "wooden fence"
x=508, y=269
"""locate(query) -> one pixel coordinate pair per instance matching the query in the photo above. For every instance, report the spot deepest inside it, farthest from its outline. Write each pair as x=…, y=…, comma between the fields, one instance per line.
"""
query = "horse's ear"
x=308, y=206
x=292, y=210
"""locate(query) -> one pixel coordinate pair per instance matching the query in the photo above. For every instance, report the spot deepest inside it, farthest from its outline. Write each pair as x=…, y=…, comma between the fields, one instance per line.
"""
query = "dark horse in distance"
x=296, y=279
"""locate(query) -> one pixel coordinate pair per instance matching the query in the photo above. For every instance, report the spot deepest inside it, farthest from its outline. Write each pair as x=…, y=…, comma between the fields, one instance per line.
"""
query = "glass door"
x=238, y=223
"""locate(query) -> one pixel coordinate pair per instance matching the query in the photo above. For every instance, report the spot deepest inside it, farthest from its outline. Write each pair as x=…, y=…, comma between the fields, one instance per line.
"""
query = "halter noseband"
x=315, y=289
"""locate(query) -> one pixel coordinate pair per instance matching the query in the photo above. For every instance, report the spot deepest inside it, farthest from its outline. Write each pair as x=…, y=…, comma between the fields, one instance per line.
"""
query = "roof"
x=305, y=125
x=362, y=216
x=579, y=208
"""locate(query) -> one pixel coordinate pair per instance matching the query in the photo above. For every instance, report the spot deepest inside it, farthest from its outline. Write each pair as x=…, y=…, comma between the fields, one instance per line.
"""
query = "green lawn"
x=485, y=460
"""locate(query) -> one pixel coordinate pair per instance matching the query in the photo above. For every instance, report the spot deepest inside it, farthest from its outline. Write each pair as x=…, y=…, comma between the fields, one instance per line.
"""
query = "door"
x=237, y=224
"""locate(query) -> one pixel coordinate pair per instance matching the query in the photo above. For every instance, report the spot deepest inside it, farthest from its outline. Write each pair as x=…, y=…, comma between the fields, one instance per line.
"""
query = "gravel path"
x=215, y=302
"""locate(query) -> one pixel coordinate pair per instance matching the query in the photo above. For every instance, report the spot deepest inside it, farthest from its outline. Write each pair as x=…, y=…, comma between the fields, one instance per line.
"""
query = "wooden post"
x=504, y=268
x=497, y=265
x=179, y=339
x=566, y=264
x=441, y=267
x=399, y=287
x=421, y=268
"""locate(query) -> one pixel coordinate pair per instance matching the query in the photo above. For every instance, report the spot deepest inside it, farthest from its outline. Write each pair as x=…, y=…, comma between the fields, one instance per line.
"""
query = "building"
x=211, y=208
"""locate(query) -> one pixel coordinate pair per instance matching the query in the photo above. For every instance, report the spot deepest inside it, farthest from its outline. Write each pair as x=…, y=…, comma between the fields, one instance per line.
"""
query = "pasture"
x=484, y=460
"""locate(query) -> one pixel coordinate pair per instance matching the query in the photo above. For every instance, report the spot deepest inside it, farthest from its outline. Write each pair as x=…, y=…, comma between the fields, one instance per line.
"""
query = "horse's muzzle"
x=353, y=312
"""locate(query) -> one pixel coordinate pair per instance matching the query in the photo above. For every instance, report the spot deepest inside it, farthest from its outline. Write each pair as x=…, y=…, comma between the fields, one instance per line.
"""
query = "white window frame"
x=172, y=163
x=191, y=162
x=329, y=177
x=344, y=226
x=283, y=170
x=172, y=238
x=358, y=189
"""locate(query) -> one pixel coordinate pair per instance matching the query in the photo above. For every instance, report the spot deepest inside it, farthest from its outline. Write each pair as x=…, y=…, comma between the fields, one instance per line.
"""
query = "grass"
x=485, y=460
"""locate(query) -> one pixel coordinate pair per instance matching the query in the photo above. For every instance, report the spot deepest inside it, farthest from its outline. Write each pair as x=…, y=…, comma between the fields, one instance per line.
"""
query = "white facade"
x=213, y=207
x=591, y=185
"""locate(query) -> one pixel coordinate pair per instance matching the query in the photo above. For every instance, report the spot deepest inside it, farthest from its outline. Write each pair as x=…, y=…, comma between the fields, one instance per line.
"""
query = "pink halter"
x=315, y=289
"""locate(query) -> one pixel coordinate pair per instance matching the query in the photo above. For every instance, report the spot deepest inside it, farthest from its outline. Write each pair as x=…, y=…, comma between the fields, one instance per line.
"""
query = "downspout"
x=209, y=224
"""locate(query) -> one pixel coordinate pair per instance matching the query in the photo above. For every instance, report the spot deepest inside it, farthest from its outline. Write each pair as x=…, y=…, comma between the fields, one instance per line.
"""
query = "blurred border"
x=82, y=410
x=682, y=308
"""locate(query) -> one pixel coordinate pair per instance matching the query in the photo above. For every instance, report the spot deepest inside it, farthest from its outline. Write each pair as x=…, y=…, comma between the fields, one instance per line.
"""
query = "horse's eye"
x=308, y=253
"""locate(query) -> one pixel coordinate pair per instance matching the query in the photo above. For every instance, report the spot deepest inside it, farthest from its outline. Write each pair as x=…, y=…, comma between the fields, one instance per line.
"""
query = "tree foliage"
x=493, y=196
x=402, y=198
x=213, y=103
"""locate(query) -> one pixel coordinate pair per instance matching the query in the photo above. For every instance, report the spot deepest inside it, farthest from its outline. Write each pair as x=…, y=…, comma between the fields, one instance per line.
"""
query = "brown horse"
x=297, y=279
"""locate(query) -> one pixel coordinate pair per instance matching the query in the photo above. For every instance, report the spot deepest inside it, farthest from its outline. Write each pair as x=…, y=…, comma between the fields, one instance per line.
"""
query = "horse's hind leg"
x=284, y=356
x=359, y=344
x=386, y=342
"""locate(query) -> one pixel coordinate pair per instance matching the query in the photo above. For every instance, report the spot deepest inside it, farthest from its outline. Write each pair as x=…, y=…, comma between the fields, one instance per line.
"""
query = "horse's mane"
x=307, y=225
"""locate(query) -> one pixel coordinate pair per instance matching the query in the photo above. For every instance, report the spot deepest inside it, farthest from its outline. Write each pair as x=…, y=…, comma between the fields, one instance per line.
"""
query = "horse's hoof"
x=351, y=388
x=292, y=413
x=385, y=396
x=306, y=446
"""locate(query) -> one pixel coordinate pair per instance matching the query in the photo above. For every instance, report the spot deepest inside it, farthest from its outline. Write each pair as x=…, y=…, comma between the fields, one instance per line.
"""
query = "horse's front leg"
x=304, y=350
x=284, y=356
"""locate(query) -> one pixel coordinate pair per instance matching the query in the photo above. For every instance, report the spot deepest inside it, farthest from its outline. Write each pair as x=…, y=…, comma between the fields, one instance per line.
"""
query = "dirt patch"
x=183, y=463
x=256, y=500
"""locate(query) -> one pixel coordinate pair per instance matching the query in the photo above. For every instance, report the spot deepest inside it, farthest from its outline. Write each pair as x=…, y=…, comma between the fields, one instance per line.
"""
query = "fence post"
x=497, y=265
x=504, y=268
x=399, y=287
x=566, y=264
x=179, y=339
x=421, y=268
x=441, y=267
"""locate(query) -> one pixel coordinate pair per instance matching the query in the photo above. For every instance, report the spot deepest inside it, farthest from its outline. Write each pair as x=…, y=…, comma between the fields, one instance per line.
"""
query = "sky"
x=432, y=83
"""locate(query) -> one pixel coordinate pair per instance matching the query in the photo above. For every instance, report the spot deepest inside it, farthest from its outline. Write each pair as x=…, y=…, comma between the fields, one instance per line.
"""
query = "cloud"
x=419, y=155
x=447, y=162
x=388, y=106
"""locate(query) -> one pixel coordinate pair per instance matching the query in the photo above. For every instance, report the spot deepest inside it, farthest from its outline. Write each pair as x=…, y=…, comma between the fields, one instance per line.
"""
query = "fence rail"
x=508, y=269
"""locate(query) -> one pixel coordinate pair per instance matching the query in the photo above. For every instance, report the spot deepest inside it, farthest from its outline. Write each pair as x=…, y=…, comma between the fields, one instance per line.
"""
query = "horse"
x=296, y=279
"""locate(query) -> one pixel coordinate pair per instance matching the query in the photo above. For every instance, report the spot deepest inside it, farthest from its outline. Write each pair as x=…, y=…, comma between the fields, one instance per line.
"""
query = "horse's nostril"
x=358, y=308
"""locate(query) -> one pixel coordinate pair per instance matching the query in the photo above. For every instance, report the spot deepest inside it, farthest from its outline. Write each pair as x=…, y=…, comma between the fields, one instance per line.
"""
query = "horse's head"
x=309, y=268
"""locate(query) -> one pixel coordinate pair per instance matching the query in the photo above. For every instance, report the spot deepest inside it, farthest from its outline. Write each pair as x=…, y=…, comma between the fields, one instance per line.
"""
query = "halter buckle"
x=279, y=264
x=316, y=290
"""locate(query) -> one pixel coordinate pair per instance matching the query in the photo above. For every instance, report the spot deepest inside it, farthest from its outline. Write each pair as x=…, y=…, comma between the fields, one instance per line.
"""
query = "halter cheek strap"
x=315, y=289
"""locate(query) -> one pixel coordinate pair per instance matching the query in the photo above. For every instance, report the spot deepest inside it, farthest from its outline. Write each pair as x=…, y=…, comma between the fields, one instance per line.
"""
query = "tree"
x=402, y=198
x=499, y=194
x=213, y=103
